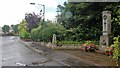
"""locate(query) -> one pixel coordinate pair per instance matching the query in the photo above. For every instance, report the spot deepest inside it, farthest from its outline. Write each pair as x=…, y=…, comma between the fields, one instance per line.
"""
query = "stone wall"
x=64, y=46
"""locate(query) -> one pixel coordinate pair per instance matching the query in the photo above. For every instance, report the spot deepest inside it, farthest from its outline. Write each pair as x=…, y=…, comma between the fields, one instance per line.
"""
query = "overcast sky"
x=13, y=11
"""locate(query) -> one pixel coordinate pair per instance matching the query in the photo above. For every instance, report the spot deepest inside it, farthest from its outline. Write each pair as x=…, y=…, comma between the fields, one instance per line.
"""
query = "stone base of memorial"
x=107, y=38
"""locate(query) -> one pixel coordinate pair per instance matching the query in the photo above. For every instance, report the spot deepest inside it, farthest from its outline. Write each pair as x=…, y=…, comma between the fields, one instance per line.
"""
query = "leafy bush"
x=24, y=34
x=34, y=35
x=116, y=52
x=92, y=42
x=82, y=34
x=45, y=32
x=23, y=30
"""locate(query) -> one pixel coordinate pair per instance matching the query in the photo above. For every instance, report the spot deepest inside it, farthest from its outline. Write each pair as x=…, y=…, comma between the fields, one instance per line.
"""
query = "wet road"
x=16, y=54
x=0, y=51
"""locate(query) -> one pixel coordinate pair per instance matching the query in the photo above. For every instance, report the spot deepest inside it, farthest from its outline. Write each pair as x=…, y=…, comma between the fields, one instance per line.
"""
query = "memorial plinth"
x=106, y=38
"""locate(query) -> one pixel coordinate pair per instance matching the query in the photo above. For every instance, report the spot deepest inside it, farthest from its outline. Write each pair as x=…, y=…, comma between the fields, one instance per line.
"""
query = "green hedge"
x=76, y=42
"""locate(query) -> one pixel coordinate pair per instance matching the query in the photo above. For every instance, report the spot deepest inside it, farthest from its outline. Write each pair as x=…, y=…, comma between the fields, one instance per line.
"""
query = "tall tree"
x=5, y=29
x=23, y=29
x=15, y=29
x=32, y=20
x=87, y=18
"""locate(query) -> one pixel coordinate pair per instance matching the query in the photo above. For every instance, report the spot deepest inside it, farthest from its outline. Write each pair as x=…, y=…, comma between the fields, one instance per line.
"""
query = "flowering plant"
x=109, y=50
x=84, y=46
x=89, y=47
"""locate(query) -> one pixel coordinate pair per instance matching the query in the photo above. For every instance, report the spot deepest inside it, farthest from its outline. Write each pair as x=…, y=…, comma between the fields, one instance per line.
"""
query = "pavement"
x=71, y=57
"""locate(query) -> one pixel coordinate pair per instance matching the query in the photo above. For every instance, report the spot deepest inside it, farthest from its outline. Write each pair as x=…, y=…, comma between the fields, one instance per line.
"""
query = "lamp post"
x=40, y=11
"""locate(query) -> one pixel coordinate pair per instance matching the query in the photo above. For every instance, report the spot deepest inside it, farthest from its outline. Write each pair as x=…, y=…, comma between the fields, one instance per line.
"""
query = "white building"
x=11, y=30
x=1, y=31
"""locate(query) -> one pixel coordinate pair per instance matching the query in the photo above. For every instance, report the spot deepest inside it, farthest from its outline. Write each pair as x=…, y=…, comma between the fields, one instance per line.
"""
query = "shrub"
x=45, y=32
x=91, y=42
x=109, y=50
x=116, y=52
x=34, y=34
x=24, y=34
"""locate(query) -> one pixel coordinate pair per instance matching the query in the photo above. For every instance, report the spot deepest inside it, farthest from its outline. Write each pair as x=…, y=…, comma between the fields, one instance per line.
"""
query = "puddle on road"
x=21, y=64
x=4, y=59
